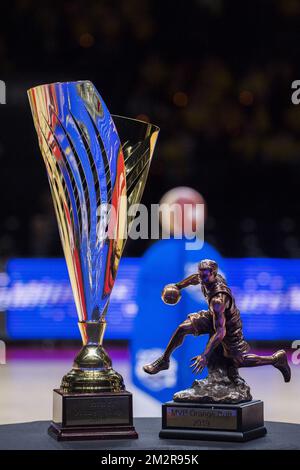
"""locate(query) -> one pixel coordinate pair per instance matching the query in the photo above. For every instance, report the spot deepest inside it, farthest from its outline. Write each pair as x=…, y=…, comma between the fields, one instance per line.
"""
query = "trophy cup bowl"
x=97, y=165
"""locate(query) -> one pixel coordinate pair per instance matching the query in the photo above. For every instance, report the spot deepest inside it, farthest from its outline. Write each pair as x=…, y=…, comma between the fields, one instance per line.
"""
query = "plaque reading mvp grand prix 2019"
x=219, y=418
x=236, y=422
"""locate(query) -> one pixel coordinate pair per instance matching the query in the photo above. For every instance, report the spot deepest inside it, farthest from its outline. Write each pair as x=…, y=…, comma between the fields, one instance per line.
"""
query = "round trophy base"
x=92, y=372
x=92, y=381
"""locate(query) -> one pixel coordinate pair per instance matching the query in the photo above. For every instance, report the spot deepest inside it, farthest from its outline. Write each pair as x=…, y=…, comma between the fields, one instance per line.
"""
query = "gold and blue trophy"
x=97, y=165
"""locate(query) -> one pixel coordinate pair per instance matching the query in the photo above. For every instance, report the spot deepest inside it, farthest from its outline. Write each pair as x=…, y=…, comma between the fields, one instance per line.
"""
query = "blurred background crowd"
x=215, y=76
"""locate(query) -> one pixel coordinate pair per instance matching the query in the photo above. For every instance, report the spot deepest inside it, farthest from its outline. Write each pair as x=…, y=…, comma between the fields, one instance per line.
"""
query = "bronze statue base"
x=223, y=384
x=217, y=422
x=217, y=387
x=82, y=416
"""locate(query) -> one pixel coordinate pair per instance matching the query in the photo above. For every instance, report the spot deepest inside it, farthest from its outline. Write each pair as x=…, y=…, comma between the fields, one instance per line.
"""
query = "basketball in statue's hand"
x=171, y=294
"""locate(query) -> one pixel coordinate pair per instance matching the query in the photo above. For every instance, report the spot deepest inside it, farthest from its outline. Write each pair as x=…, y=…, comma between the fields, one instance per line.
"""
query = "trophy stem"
x=92, y=368
x=92, y=332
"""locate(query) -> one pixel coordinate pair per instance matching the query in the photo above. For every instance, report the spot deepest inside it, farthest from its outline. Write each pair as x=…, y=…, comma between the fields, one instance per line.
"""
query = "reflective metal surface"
x=97, y=166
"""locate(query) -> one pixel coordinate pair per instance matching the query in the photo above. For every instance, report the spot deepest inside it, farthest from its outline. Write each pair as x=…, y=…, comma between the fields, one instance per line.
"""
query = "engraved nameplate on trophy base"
x=241, y=422
x=92, y=416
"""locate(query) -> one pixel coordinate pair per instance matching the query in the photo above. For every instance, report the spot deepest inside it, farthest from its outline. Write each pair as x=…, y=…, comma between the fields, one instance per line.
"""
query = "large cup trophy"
x=97, y=166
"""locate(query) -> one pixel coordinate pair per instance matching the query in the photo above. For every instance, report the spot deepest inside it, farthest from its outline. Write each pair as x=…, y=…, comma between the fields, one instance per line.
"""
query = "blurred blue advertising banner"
x=38, y=301
x=37, y=296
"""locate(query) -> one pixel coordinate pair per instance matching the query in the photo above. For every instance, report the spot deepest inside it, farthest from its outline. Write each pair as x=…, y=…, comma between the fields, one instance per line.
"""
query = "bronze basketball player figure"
x=223, y=323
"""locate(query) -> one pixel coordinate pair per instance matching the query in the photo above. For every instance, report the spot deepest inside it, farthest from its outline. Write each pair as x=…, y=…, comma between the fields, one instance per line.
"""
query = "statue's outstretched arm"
x=192, y=280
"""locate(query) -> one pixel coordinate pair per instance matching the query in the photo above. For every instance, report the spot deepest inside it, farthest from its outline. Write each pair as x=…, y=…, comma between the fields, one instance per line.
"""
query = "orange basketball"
x=171, y=294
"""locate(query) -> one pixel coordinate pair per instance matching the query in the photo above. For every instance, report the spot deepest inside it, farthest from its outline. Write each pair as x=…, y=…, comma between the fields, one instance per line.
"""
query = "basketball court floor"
x=30, y=375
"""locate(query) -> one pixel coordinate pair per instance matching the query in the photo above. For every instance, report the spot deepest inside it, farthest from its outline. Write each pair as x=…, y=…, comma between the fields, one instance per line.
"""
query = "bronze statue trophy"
x=219, y=407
